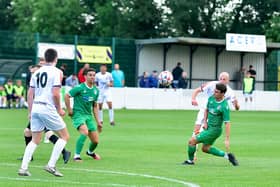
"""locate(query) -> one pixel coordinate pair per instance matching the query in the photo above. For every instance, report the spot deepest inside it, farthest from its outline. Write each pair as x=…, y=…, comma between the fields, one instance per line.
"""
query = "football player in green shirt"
x=216, y=113
x=85, y=103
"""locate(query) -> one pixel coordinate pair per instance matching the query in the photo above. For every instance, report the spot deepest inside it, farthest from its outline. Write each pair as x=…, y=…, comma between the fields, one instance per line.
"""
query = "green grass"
x=150, y=143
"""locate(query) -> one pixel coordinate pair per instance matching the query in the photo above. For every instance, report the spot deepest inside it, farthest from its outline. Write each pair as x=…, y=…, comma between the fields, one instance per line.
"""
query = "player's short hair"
x=50, y=55
x=221, y=87
x=88, y=70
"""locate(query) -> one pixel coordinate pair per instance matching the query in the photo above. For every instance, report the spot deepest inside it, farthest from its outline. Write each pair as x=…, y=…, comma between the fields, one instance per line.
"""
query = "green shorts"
x=80, y=119
x=208, y=137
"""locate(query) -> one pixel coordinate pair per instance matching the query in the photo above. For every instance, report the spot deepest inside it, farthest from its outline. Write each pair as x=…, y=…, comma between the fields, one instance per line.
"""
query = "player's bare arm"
x=95, y=114
x=194, y=95
x=205, y=126
x=227, y=130
x=30, y=97
x=236, y=104
x=56, y=99
x=67, y=104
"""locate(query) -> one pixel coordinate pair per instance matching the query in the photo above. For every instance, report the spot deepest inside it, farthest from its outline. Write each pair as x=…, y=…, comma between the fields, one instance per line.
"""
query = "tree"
x=214, y=18
x=6, y=17
x=273, y=28
x=48, y=16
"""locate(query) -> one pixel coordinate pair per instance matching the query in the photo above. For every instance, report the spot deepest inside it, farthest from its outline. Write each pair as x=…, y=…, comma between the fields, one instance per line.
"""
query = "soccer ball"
x=165, y=78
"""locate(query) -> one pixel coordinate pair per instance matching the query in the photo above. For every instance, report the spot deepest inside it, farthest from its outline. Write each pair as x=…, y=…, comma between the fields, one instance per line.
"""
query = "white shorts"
x=248, y=95
x=51, y=121
x=200, y=117
x=104, y=97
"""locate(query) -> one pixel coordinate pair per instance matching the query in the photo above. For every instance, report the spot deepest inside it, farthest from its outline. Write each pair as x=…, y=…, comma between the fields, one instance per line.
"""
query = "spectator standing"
x=63, y=69
x=240, y=75
x=253, y=75
x=81, y=76
x=177, y=72
x=248, y=83
x=118, y=77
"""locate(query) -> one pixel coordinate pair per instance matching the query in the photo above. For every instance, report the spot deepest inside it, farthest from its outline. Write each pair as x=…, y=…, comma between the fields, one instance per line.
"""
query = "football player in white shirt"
x=45, y=112
x=209, y=89
x=104, y=81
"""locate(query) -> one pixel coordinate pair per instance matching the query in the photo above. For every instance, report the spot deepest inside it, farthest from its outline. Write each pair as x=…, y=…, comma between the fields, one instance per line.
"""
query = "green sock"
x=80, y=143
x=191, y=151
x=92, y=147
x=216, y=152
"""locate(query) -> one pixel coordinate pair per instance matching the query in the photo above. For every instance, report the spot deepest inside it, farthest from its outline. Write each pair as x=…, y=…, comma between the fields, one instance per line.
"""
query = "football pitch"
x=146, y=148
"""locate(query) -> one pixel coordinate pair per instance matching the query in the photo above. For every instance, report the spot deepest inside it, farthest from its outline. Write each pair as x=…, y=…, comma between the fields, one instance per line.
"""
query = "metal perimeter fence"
x=19, y=50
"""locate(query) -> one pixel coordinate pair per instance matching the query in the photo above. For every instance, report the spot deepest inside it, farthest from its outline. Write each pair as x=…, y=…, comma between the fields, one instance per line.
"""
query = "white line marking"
x=62, y=181
x=119, y=173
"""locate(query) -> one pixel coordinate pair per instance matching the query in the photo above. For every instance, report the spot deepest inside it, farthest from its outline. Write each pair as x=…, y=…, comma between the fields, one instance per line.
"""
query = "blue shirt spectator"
x=144, y=80
x=72, y=80
x=153, y=80
x=118, y=76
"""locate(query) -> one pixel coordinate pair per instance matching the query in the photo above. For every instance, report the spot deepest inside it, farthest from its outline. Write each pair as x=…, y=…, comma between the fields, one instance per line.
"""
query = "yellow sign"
x=94, y=54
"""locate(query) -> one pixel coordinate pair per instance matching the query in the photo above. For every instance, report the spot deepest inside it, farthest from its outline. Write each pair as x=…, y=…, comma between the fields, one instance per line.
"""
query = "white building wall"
x=154, y=98
x=178, y=53
x=150, y=58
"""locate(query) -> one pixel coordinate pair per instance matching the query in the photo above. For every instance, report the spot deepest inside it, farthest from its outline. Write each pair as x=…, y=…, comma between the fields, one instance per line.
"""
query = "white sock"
x=58, y=147
x=111, y=115
x=77, y=155
x=226, y=156
x=100, y=115
x=29, y=150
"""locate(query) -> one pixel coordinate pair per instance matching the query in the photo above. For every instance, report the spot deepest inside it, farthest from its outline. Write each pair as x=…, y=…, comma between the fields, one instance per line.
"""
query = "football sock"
x=191, y=151
x=27, y=139
x=80, y=143
x=29, y=150
x=53, y=138
x=216, y=152
x=100, y=115
x=92, y=147
x=58, y=146
x=111, y=115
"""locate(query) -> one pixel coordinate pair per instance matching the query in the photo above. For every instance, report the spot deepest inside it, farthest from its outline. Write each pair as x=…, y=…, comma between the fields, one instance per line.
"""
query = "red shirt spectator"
x=81, y=77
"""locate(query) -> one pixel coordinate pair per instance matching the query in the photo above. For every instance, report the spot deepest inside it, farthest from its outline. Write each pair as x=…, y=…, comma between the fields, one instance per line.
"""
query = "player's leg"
x=100, y=112
x=111, y=113
x=27, y=137
x=54, y=122
x=191, y=151
x=36, y=128
x=27, y=134
x=94, y=138
x=53, y=138
x=108, y=99
x=217, y=152
x=83, y=130
x=198, y=128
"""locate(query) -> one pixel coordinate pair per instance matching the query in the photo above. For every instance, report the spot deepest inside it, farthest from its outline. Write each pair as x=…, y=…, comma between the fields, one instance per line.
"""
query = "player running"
x=85, y=101
x=104, y=81
x=209, y=89
x=45, y=112
x=216, y=113
x=49, y=134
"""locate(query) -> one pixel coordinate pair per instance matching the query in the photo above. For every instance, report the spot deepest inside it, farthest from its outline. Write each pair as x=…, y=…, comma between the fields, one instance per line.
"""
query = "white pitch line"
x=185, y=183
x=62, y=181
